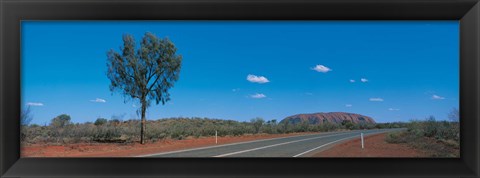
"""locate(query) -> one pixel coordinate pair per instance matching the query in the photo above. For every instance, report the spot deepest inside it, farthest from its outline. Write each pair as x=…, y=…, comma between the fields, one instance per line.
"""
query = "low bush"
x=396, y=137
x=436, y=138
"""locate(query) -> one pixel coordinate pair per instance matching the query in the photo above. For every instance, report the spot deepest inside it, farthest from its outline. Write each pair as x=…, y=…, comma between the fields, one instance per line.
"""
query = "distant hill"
x=332, y=117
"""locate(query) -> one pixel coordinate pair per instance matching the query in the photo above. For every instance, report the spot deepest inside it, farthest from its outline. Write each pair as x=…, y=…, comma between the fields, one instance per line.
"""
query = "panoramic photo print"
x=298, y=89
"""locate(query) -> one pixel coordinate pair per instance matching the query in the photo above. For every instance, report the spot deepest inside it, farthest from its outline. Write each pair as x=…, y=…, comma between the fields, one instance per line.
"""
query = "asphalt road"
x=294, y=146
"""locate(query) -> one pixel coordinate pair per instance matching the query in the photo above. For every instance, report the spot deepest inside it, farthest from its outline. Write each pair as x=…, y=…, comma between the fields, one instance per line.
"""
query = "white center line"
x=278, y=144
x=231, y=144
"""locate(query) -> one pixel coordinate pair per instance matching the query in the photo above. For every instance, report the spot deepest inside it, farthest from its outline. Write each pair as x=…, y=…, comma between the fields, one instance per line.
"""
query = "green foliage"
x=391, y=125
x=396, y=137
x=270, y=126
x=348, y=124
x=60, y=121
x=25, y=119
x=437, y=138
x=435, y=129
x=257, y=124
x=145, y=73
x=100, y=121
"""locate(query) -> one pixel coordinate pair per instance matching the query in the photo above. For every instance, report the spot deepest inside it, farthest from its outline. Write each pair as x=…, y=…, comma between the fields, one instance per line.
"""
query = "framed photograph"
x=274, y=88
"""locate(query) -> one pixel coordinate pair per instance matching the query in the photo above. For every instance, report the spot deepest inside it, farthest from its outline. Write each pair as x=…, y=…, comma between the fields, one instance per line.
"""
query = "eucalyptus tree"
x=144, y=73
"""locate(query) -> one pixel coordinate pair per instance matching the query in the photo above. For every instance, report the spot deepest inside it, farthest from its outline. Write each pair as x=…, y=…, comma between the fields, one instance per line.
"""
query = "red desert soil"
x=134, y=149
x=374, y=146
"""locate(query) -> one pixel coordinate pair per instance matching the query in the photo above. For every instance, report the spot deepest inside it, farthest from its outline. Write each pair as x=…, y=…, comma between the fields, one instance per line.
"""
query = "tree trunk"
x=143, y=125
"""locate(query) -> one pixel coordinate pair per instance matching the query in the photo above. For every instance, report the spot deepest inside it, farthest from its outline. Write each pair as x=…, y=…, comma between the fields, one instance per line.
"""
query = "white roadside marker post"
x=216, y=138
x=361, y=135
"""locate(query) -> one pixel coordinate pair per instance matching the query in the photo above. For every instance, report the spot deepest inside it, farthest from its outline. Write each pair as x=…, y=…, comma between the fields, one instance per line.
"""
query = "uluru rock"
x=332, y=117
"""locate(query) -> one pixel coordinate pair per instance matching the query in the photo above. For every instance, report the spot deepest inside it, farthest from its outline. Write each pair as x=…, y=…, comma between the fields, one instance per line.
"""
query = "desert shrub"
x=100, y=121
x=328, y=127
x=437, y=138
x=60, y=126
x=271, y=126
x=392, y=138
x=434, y=129
x=397, y=137
x=430, y=127
x=115, y=122
x=347, y=124
x=155, y=131
x=257, y=124
x=60, y=121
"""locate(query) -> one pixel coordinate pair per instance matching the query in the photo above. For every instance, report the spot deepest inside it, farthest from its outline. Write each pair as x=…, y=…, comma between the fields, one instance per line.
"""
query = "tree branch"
x=153, y=84
x=150, y=75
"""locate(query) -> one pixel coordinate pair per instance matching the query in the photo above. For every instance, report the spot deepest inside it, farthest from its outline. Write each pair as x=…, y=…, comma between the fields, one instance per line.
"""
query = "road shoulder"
x=374, y=146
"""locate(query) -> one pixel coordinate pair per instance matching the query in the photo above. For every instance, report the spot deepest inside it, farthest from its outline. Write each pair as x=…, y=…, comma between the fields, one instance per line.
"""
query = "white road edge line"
x=278, y=144
x=332, y=143
x=201, y=148
x=324, y=145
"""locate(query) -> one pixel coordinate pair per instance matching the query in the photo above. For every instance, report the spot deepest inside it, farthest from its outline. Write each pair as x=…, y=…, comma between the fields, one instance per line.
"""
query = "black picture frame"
x=467, y=12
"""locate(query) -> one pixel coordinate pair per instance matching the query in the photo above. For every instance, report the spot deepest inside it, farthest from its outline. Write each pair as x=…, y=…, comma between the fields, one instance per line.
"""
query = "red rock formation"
x=332, y=117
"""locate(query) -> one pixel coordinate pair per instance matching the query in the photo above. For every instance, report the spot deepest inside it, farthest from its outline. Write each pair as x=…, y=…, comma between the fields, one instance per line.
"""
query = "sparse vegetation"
x=25, y=119
x=62, y=131
x=436, y=138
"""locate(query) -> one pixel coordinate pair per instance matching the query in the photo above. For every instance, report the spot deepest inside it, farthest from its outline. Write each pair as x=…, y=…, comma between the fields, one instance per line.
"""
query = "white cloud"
x=436, y=97
x=321, y=68
x=34, y=104
x=257, y=79
x=352, y=81
x=393, y=109
x=376, y=99
x=258, y=96
x=348, y=105
x=364, y=80
x=98, y=100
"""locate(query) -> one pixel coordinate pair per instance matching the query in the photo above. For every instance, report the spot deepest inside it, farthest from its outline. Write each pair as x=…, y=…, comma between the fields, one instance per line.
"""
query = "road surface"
x=294, y=146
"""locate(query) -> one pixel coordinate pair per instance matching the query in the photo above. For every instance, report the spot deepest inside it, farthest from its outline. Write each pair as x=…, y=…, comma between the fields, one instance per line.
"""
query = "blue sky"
x=388, y=70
